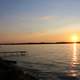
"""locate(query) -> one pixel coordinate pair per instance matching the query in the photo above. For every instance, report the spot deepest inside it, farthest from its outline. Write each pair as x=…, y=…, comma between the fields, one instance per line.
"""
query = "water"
x=55, y=58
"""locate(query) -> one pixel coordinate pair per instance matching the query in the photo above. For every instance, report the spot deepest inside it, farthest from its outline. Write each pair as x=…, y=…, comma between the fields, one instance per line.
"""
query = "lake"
x=57, y=58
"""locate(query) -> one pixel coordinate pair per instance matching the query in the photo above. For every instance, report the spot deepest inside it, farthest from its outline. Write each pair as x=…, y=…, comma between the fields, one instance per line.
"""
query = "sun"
x=74, y=38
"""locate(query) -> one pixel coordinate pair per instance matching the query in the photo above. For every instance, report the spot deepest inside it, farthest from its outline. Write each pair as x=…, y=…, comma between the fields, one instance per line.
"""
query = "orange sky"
x=37, y=37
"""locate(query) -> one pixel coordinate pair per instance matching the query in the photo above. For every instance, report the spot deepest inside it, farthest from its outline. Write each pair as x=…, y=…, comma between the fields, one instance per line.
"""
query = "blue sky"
x=39, y=16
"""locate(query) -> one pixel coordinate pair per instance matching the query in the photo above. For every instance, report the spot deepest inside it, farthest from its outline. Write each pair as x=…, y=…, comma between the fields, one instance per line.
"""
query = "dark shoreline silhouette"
x=33, y=43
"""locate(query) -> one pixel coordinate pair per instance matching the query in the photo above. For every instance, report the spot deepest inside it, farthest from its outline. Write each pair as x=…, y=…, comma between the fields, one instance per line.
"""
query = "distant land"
x=33, y=43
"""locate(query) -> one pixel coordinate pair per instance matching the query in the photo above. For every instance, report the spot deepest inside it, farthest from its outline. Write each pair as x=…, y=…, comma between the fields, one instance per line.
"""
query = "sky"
x=39, y=20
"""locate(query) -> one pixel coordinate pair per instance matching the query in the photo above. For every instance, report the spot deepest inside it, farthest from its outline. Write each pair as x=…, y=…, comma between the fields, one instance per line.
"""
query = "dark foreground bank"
x=10, y=71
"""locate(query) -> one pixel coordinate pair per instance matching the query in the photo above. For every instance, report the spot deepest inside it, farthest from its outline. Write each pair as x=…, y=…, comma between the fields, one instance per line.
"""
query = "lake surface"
x=57, y=58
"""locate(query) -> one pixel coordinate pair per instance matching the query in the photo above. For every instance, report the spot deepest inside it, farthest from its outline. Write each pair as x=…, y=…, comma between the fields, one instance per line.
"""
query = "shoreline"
x=34, y=43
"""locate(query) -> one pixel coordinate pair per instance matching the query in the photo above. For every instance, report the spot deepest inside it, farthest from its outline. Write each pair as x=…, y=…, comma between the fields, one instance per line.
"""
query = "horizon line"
x=24, y=43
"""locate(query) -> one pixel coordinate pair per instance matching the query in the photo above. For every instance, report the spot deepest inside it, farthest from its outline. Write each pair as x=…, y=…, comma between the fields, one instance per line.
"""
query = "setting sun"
x=74, y=38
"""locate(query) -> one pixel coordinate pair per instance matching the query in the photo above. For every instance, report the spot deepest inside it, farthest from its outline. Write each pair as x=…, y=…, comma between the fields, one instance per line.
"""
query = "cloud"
x=47, y=17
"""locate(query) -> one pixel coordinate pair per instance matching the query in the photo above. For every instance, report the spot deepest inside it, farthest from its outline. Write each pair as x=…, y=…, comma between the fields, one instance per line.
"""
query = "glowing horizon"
x=74, y=38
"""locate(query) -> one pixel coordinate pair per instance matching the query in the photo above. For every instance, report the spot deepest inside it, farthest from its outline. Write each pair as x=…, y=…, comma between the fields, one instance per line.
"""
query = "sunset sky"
x=39, y=20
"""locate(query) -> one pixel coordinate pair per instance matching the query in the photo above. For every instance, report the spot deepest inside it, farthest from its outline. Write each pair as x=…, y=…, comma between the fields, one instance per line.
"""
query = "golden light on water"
x=73, y=66
x=74, y=57
x=74, y=61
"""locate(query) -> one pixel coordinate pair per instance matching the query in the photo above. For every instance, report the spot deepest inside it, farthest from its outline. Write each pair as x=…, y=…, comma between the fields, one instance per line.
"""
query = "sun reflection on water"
x=74, y=57
x=73, y=72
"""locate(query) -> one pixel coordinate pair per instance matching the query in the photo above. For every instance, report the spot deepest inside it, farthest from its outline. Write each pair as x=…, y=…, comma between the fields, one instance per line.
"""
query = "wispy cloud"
x=47, y=17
